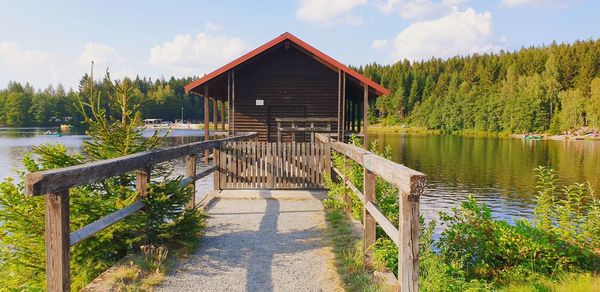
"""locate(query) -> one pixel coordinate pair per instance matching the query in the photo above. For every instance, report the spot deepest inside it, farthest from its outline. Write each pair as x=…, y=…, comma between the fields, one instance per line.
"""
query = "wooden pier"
x=239, y=163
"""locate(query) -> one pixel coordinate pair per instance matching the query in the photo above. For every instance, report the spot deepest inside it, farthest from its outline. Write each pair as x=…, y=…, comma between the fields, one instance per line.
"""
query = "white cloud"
x=101, y=54
x=380, y=44
x=419, y=9
x=25, y=65
x=457, y=33
x=191, y=54
x=329, y=11
x=211, y=26
x=550, y=3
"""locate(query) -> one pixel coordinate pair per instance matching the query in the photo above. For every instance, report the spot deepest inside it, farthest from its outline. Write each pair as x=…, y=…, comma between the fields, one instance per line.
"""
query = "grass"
x=581, y=282
x=348, y=250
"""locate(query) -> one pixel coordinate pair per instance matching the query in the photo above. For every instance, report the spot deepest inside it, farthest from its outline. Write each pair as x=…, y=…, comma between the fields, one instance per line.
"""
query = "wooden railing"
x=55, y=184
x=411, y=185
x=303, y=125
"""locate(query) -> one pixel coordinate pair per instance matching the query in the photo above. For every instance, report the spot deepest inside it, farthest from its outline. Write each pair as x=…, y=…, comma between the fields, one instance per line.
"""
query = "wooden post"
x=57, y=241
x=366, y=117
x=215, y=116
x=222, y=166
x=142, y=180
x=358, y=125
x=339, y=113
x=347, y=200
x=232, y=105
x=190, y=161
x=342, y=138
x=369, y=223
x=327, y=162
x=408, y=227
x=206, y=127
x=229, y=115
x=222, y=116
x=217, y=174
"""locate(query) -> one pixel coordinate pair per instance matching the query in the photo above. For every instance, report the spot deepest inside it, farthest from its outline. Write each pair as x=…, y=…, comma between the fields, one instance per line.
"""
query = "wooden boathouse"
x=290, y=107
x=288, y=89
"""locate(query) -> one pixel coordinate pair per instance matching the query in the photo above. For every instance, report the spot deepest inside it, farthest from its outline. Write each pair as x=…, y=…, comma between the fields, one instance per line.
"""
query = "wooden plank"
x=369, y=224
x=104, y=222
x=307, y=119
x=408, y=249
x=385, y=224
x=353, y=152
x=191, y=171
x=392, y=172
x=205, y=172
x=57, y=241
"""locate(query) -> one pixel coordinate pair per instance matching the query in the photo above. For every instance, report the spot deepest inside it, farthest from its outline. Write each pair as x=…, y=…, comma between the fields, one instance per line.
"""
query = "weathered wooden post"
x=217, y=172
x=347, y=199
x=369, y=222
x=327, y=150
x=190, y=161
x=58, y=257
x=206, y=117
x=408, y=227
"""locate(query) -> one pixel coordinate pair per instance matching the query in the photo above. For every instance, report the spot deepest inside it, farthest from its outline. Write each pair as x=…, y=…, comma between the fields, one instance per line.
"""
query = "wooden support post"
x=369, y=223
x=232, y=105
x=229, y=114
x=339, y=110
x=141, y=182
x=408, y=227
x=342, y=138
x=206, y=127
x=358, y=122
x=217, y=174
x=366, y=116
x=222, y=166
x=347, y=199
x=190, y=163
x=327, y=162
x=57, y=241
x=215, y=116
x=222, y=116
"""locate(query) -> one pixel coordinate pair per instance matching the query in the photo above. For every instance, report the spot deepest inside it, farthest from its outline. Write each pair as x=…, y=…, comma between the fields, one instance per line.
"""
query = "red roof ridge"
x=380, y=90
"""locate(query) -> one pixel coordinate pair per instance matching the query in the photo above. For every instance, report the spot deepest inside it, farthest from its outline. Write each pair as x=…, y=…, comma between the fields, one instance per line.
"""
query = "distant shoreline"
x=475, y=133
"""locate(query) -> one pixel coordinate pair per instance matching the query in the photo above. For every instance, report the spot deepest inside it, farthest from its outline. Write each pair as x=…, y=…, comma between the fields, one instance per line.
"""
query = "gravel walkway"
x=259, y=245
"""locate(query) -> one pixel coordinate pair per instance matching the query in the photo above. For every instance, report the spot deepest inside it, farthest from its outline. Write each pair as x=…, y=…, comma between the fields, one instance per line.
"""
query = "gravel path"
x=259, y=245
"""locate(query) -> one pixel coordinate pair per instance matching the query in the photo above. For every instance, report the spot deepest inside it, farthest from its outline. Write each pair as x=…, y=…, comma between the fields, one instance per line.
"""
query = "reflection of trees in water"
x=494, y=165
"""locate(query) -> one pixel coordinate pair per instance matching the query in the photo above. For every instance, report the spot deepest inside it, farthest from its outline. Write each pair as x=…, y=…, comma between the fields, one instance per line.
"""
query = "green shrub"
x=114, y=130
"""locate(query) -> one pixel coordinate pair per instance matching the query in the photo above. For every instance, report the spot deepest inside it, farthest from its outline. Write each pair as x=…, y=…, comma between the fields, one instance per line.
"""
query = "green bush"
x=114, y=130
x=477, y=252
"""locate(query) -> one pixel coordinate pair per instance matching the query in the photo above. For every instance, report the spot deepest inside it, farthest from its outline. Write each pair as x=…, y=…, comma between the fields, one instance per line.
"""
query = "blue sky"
x=51, y=42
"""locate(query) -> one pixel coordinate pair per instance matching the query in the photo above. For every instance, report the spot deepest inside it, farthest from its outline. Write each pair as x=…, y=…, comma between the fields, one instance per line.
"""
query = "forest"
x=24, y=106
x=553, y=88
x=546, y=89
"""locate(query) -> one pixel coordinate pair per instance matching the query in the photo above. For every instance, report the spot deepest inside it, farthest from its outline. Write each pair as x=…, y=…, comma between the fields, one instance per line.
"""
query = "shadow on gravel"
x=254, y=250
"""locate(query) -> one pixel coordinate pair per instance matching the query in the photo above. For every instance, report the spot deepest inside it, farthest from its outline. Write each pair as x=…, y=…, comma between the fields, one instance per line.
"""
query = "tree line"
x=551, y=88
x=23, y=106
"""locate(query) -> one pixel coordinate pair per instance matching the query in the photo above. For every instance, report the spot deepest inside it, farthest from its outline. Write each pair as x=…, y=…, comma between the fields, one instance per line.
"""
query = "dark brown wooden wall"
x=291, y=83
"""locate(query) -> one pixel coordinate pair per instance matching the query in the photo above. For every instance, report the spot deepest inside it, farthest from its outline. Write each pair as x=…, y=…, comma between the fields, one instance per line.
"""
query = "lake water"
x=497, y=171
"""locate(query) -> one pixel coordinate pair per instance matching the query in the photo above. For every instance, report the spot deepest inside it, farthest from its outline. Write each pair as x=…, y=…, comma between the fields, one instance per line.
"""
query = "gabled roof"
x=379, y=90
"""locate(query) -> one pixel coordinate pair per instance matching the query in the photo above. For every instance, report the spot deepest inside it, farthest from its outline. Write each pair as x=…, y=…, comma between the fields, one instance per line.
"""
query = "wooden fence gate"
x=269, y=165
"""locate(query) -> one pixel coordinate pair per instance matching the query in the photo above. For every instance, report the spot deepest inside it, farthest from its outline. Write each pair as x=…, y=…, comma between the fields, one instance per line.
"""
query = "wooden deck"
x=240, y=163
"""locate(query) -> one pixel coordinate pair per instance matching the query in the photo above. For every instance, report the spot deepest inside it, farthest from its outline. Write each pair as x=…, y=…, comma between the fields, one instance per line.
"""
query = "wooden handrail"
x=411, y=185
x=54, y=184
x=50, y=181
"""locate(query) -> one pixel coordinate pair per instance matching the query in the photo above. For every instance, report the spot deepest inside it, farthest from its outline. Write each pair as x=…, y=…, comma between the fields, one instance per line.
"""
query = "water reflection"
x=497, y=171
